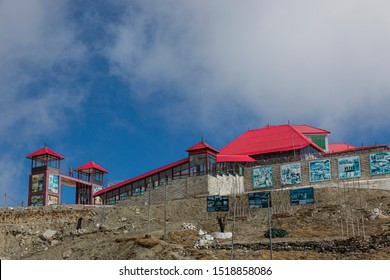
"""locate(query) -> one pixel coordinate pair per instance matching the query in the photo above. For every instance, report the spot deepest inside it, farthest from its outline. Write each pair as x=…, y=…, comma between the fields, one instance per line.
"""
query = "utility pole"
x=5, y=199
x=148, y=233
x=269, y=224
x=165, y=209
x=234, y=223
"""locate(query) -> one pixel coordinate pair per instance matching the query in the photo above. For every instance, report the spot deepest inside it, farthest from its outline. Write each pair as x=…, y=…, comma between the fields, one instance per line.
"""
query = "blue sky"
x=133, y=84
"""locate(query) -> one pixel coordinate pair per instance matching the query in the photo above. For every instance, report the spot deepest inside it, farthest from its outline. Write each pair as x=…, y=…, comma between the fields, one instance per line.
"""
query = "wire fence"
x=10, y=201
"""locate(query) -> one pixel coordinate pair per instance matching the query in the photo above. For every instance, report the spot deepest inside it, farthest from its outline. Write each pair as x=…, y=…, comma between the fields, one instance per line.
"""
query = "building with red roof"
x=47, y=177
x=274, y=142
x=291, y=142
x=205, y=171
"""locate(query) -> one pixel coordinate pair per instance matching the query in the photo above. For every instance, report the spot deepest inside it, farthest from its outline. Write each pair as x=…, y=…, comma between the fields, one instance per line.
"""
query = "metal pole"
x=165, y=210
x=234, y=223
x=5, y=199
x=148, y=233
x=269, y=224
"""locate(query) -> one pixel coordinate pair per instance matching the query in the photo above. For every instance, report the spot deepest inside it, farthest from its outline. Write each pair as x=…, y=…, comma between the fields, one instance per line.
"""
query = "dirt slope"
x=343, y=224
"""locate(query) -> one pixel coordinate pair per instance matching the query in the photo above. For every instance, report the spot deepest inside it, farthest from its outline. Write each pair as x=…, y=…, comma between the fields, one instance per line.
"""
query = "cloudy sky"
x=133, y=84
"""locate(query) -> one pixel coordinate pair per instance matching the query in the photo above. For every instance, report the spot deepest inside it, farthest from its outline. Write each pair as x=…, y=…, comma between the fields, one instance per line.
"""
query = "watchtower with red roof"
x=203, y=159
x=44, y=181
x=91, y=179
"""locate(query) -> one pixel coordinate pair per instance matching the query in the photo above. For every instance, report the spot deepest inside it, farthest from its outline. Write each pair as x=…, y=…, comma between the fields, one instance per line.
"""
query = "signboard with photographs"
x=349, y=167
x=217, y=203
x=380, y=163
x=262, y=177
x=319, y=170
x=37, y=200
x=52, y=200
x=290, y=174
x=259, y=200
x=37, y=183
x=53, y=183
x=302, y=196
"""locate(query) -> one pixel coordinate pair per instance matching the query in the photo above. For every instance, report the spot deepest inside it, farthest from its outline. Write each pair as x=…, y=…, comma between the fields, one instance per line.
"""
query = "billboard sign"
x=349, y=167
x=52, y=200
x=37, y=183
x=217, y=203
x=290, y=174
x=319, y=170
x=302, y=196
x=37, y=200
x=380, y=163
x=262, y=177
x=259, y=200
x=53, y=183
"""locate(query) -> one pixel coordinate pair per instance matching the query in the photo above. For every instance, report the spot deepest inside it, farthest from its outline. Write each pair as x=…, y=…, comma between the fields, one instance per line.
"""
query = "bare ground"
x=343, y=224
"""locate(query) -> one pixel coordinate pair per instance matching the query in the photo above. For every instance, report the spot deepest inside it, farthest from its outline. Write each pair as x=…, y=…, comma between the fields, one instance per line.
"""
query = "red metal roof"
x=91, y=165
x=354, y=148
x=267, y=140
x=45, y=151
x=234, y=158
x=129, y=181
x=307, y=129
x=201, y=146
x=340, y=147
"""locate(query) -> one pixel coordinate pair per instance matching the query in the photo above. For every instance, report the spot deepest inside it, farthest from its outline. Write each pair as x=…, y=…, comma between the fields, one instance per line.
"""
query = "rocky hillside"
x=343, y=224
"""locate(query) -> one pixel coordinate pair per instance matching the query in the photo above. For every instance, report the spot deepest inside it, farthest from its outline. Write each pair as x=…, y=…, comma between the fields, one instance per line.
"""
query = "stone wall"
x=226, y=185
x=365, y=180
x=176, y=189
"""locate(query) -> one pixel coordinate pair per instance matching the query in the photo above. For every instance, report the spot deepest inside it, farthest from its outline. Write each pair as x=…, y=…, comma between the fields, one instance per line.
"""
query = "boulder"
x=66, y=254
x=48, y=234
x=222, y=235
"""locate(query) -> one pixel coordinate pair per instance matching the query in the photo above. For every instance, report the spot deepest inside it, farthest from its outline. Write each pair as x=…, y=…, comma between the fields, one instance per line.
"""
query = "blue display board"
x=259, y=200
x=302, y=196
x=319, y=170
x=290, y=174
x=380, y=163
x=217, y=203
x=262, y=177
x=349, y=167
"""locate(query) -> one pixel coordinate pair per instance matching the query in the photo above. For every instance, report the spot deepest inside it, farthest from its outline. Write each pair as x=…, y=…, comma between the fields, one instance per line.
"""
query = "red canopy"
x=91, y=165
x=45, y=151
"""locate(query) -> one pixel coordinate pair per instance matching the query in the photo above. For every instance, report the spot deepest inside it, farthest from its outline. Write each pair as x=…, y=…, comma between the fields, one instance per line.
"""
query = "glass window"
x=212, y=162
x=123, y=196
x=198, y=165
x=53, y=162
x=155, y=181
x=39, y=161
x=138, y=191
x=98, y=176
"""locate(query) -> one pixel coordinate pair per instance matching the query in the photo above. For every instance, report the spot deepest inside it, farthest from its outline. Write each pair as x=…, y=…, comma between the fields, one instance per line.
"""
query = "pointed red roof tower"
x=44, y=181
x=89, y=166
x=200, y=148
x=93, y=173
x=203, y=159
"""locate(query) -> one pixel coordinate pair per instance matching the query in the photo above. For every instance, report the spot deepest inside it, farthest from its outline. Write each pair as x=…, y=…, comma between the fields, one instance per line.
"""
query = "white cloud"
x=319, y=62
x=11, y=181
x=39, y=59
